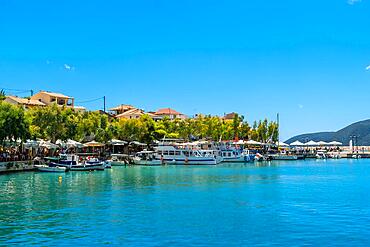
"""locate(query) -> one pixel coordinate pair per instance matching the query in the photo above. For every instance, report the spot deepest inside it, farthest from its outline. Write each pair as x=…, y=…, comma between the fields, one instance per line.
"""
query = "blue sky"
x=304, y=59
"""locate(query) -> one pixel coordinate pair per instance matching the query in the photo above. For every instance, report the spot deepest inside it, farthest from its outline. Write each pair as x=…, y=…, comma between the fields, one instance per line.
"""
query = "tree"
x=13, y=123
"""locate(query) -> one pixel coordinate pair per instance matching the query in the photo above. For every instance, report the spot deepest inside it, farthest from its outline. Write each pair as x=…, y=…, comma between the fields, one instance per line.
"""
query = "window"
x=171, y=153
x=165, y=152
x=177, y=153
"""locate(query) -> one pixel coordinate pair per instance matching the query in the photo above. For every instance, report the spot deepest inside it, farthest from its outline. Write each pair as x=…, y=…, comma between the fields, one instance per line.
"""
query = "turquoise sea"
x=319, y=203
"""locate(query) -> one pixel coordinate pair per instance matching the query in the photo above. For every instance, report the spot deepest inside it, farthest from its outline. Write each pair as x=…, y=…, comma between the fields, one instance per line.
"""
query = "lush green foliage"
x=55, y=123
x=13, y=123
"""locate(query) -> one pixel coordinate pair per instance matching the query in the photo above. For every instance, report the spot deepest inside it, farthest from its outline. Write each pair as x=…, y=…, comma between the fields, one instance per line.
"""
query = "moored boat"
x=173, y=155
x=46, y=168
x=236, y=155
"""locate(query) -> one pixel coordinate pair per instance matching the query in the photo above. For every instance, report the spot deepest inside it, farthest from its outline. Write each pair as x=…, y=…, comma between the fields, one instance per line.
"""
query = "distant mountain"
x=360, y=129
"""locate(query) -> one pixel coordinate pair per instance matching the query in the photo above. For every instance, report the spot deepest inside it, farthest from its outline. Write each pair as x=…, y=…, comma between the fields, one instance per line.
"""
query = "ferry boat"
x=172, y=155
x=236, y=155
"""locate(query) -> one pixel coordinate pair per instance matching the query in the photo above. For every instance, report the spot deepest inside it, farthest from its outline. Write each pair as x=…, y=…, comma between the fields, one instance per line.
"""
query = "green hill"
x=360, y=129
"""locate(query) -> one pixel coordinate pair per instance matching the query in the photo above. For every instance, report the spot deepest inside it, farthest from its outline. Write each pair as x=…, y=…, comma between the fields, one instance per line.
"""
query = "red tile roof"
x=167, y=111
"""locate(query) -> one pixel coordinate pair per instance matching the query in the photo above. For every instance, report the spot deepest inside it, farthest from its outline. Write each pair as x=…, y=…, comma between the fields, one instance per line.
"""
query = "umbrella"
x=240, y=142
x=94, y=144
x=48, y=145
x=322, y=143
x=32, y=144
x=117, y=142
x=335, y=143
x=72, y=144
x=312, y=143
x=138, y=143
x=297, y=143
x=251, y=142
x=282, y=144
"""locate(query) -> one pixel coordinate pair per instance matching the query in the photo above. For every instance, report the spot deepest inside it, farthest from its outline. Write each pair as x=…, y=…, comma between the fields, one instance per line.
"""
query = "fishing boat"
x=46, y=168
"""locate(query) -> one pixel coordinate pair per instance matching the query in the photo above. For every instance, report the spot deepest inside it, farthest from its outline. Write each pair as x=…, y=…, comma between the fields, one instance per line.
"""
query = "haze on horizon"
x=307, y=60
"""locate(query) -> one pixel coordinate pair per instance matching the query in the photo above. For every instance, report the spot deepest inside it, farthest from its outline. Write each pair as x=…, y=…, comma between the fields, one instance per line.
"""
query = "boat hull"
x=56, y=169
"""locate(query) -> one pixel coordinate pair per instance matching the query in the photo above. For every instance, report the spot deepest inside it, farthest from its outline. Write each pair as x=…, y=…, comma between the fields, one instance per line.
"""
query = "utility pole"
x=104, y=102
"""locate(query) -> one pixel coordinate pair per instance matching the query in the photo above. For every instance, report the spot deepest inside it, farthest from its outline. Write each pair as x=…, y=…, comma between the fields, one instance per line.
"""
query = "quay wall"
x=16, y=166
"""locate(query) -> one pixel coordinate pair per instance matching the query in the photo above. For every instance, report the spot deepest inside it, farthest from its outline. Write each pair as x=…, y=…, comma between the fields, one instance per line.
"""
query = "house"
x=131, y=114
x=26, y=103
x=49, y=98
x=121, y=109
x=170, y=113
x=230, y=116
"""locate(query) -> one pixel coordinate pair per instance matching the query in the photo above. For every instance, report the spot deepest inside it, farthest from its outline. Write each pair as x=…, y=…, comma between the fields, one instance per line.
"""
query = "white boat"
x=171, y=155
x=236, y=155
x=147, y=158
x=119, y=159
x=283, y=156
x=46, y=168
x=321, y=154
x=88, y=166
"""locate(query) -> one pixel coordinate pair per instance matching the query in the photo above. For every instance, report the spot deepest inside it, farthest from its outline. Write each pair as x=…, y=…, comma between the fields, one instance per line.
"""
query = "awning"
x=94, y=144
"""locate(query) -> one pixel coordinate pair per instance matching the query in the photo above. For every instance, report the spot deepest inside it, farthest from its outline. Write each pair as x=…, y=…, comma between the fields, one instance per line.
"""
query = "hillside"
x=360, y=129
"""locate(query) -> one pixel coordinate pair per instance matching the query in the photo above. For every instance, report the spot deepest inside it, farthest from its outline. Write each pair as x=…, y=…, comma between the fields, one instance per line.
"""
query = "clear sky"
x=305, y=59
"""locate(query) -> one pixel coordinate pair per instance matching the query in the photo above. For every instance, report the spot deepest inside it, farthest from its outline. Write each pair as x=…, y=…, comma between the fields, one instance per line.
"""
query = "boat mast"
x=278, y=123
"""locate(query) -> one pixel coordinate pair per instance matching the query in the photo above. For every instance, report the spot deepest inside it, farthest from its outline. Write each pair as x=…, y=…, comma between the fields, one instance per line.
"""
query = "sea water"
x=278, y=203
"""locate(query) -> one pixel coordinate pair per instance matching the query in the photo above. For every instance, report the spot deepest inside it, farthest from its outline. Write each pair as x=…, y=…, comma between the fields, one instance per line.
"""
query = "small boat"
x=321, y=154
x=120, y=159
x=147, y=158
x=236, y=155
x=46, y=168
x=283, y=156
x=100, y=166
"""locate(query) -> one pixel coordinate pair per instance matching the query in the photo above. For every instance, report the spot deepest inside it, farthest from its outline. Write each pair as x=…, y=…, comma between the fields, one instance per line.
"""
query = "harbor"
x=71, y=155
x=273, y=203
